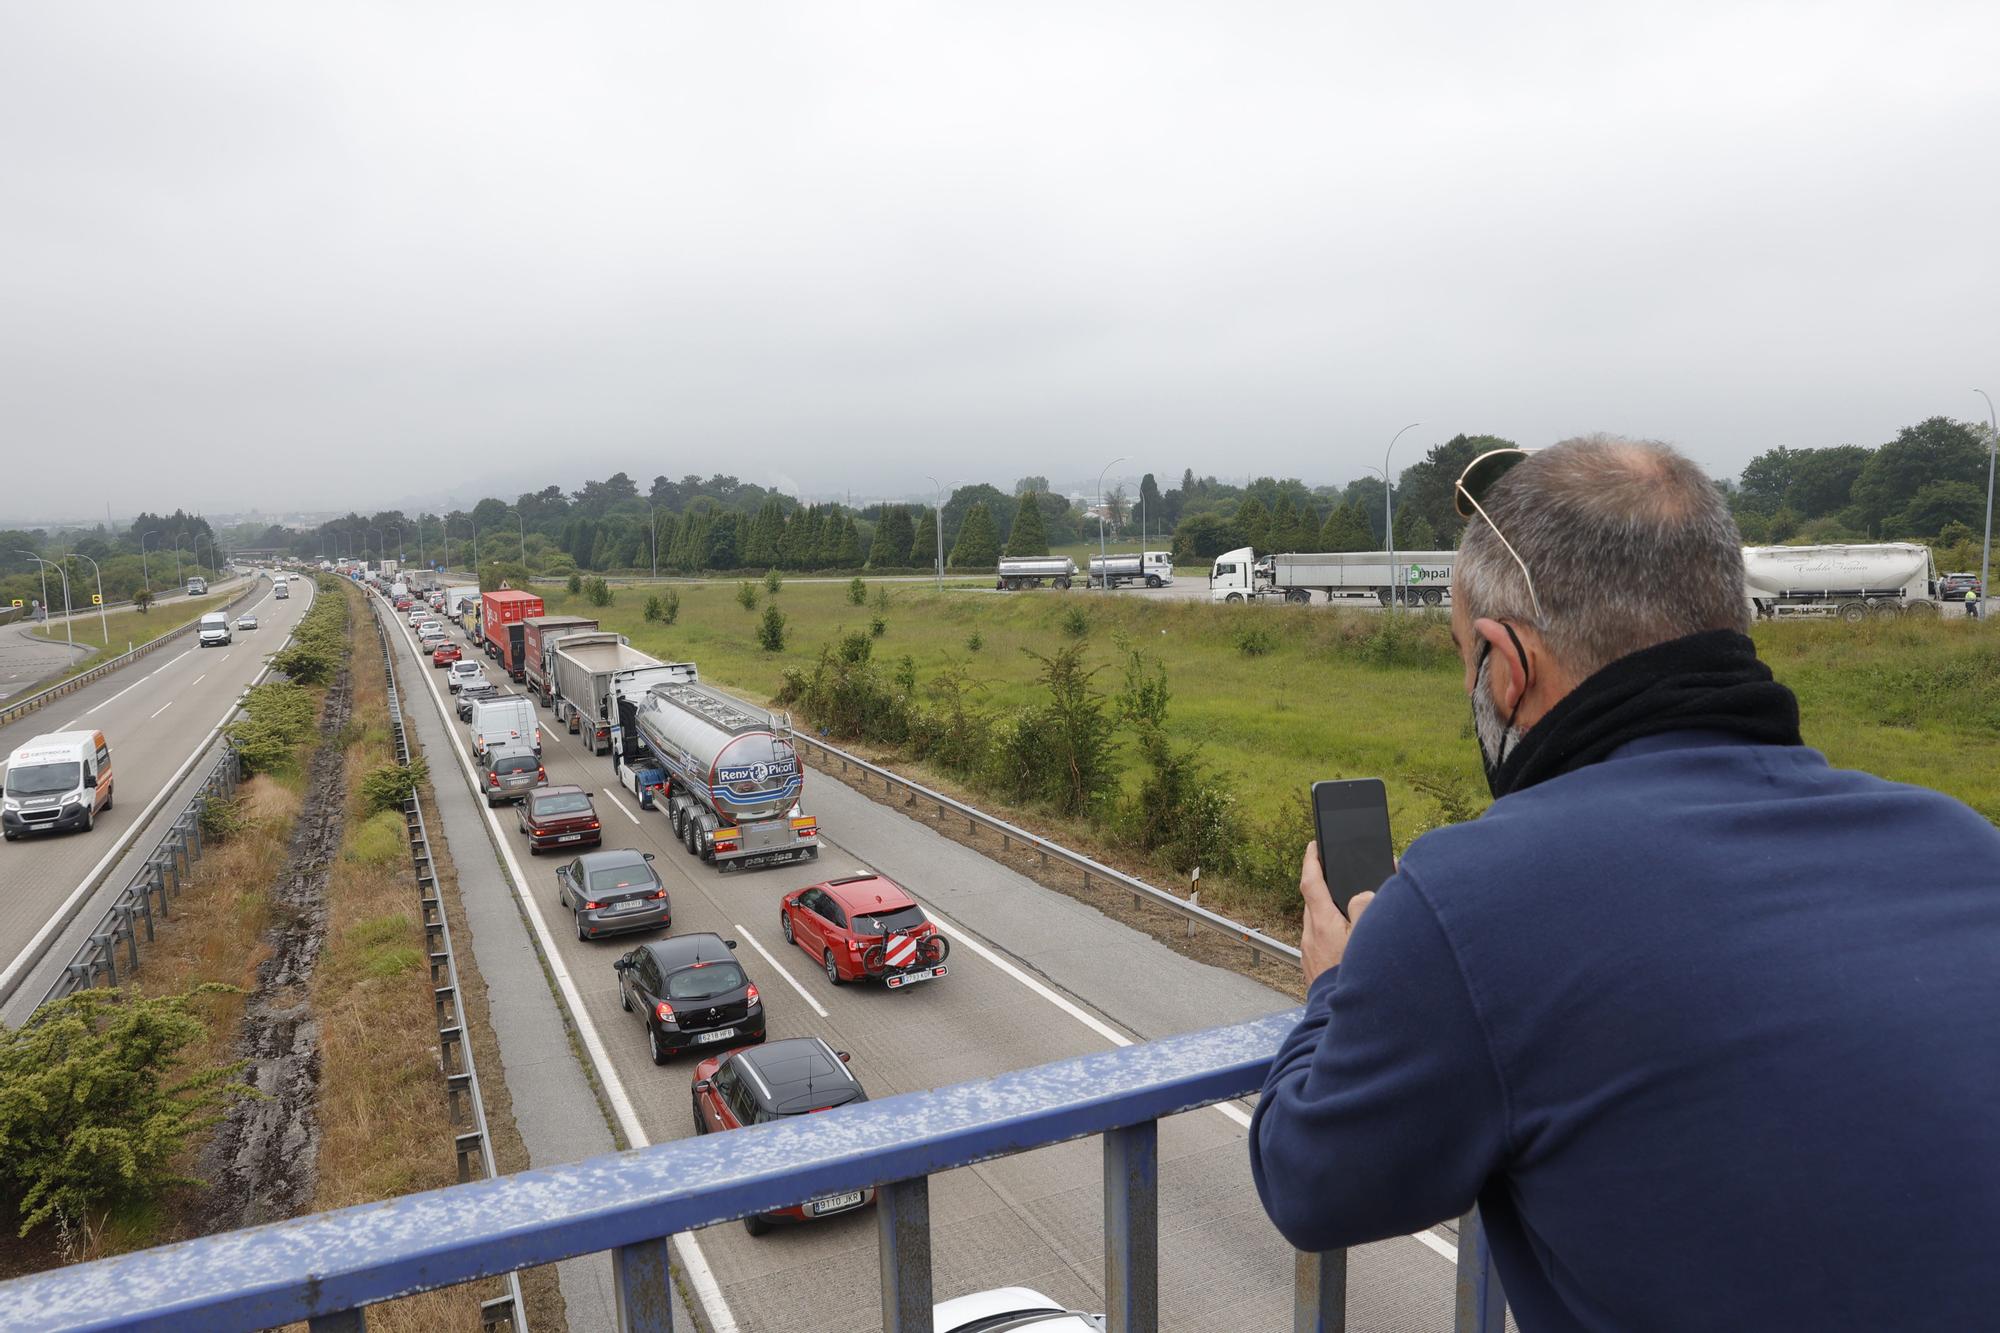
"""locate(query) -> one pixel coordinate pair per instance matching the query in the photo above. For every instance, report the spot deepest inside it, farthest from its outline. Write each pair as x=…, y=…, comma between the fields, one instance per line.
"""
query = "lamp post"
x=1389, y=515
x=653, y=531
x=179, y=577
x=103, y=621
x=68, y=637
x=1103, y=559
x=145, y=574
x=937, y=511
x=524, y=532
x=1986, y=551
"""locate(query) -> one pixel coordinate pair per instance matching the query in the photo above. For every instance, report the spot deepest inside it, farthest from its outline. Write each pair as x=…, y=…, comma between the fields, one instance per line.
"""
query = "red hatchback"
x=446, y=655
x=754, y=1084
x=864, y=926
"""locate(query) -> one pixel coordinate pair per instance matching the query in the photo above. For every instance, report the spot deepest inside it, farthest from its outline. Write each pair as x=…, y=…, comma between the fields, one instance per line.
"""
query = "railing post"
x=1482, y=1306
x=1319, y=1293
x=644, y=1287
x=903, y=1214
x=1132, y=1228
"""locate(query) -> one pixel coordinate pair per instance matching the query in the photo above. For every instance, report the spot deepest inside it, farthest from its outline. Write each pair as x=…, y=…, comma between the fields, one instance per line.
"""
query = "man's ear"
x=1507, y=675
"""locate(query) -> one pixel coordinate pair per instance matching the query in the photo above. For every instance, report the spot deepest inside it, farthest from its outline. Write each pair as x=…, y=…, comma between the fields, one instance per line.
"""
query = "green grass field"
x=128, y=629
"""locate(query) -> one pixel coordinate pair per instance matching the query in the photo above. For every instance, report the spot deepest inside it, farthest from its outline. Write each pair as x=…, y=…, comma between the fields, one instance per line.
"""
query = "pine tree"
x=1346, y=530
x=1255, y=520
x=767, y=530
x=796, y=545
x=978, y=545
x=923, y=547
x=848, y=555
x=893, y=536
x=1414, y=531
x=1030, y=536
x=668, y=531
x=826, y=542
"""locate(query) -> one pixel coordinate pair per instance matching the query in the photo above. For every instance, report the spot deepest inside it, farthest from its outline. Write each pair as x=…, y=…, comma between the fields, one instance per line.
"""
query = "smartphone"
x=1351, y=820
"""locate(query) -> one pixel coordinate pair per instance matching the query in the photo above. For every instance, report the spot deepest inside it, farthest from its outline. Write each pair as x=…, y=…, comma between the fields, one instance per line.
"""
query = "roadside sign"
x=96, y=599
x=17, y=604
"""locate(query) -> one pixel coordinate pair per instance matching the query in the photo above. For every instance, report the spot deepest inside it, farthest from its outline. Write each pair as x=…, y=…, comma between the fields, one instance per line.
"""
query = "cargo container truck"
x=500, y=627
x=538, y=639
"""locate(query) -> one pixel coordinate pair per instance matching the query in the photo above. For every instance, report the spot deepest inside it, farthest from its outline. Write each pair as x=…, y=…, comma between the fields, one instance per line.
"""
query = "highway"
x=155, y=714
x=1035, y=976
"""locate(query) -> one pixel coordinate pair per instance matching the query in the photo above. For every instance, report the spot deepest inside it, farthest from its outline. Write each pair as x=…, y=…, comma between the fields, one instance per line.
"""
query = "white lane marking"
x=170, y=661
x=693, y=1262
x=116, y=697
x=61, y=917
x=67, y=725
x=1443, y=1247
x=621, y=806
x=548, y=733
x=163, y=708
x=202, y=677
x=779, y=968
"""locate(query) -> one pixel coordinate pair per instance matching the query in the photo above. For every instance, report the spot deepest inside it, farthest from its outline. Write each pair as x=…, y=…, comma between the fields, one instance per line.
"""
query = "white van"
x=57, y=781
x=508, y=720
x=214, y=630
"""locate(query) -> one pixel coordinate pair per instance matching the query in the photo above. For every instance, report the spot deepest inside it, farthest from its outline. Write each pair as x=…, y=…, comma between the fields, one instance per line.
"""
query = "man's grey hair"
x=1629, y=543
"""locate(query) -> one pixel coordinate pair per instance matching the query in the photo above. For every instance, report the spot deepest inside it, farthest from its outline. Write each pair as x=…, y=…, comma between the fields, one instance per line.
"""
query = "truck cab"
x=1233, y=576
x=197, y=587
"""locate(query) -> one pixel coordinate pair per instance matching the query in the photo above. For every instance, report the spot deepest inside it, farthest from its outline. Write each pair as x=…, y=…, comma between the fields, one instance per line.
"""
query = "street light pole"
x=68, y=636
x=1389, y=515
x=937, y=523
x=146, y=574
x=1103, y=557
x=1986, y=551
x=45, y=578
x=653, y=531
x=103, y=622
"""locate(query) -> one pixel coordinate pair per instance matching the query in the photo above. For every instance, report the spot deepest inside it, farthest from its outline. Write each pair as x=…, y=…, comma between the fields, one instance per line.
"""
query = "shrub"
x=1065, y=752
x=387, y=786
x=94, y=1104
x=575, y=584
x=671, y=610
x=1075, y=622
x=746, y=596
x=878, y=627
x=773, y=581
x=881, y=597
x=277, y=718
x=856, y=647
x=1255, y=641
x=771, y=630
x=378, y=840
x=844, y=695
x=143, y=600
x=597, y=592
x=656, y=610
x=974, y=641
x=1180, y=812
x=220, y=820
x=857, y=593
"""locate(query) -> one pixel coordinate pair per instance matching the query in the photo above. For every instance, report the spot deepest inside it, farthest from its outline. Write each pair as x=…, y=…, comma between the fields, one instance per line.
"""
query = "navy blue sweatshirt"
x=1710, y=1030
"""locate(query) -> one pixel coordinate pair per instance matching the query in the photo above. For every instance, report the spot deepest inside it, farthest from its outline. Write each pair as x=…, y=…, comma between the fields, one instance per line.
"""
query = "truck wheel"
x=1234, y=597
x=1922, y=607
x=1884, y=609
x=1063, y=584
x=1152, y=580
x=1298, y=596
x=1382, y=596
x=1433, y=596
x=1853, y=612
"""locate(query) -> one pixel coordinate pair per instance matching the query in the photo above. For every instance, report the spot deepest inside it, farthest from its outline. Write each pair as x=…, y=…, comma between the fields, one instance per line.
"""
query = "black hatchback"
x=691, y=994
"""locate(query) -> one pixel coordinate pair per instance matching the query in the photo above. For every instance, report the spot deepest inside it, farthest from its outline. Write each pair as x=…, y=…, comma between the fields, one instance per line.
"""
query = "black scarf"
x=1710, y=681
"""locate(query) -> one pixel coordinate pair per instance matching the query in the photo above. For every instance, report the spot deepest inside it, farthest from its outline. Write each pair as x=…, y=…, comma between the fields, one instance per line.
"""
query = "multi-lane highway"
x=157, y=715
x=1034, y=977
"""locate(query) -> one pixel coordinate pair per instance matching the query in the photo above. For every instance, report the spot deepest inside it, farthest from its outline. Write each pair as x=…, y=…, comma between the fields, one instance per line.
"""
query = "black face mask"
x=1495, y=759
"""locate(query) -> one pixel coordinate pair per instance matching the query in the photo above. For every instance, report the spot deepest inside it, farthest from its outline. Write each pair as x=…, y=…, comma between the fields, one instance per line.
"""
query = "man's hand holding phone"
x=1323, y=934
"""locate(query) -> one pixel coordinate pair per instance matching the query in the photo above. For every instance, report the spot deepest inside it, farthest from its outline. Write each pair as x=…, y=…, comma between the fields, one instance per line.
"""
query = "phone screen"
x=1351, y=819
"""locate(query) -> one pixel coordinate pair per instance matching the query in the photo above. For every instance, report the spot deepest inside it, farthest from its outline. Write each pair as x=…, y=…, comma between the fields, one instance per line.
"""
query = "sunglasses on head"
x=1474, y=484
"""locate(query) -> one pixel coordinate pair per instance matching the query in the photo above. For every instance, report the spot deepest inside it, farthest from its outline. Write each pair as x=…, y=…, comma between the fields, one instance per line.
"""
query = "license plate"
x=630, y=905
x=921, y=974
x=569, y=837
x=834, y=1203
x=717, y=1035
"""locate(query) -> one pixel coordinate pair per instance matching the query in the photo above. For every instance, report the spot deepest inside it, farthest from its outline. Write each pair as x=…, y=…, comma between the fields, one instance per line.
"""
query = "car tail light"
x=664, y=1012
x=592, y=907
x=493, y=779
x=657, y=894
x=541, y=774
x=591, y=824
x=752, y=997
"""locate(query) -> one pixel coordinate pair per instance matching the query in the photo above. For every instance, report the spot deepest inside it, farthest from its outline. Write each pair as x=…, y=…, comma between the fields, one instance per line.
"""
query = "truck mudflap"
x=768, y=841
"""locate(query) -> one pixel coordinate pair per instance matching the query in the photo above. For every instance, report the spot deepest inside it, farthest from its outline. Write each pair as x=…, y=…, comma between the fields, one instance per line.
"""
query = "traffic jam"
x=725, y=778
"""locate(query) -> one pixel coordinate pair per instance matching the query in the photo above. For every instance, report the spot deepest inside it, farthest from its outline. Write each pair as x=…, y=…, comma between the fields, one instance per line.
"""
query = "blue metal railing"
x=328, y=1267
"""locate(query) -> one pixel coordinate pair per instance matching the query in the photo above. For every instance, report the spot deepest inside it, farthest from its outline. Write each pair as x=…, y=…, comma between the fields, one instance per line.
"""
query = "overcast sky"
x=298, y=256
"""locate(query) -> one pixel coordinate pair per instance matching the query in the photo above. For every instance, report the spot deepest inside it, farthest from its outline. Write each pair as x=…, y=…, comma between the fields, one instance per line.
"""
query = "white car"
x=1008, y=1309
x=419, y=614
x=246, y=622
x=461, y=674
x=431, y=629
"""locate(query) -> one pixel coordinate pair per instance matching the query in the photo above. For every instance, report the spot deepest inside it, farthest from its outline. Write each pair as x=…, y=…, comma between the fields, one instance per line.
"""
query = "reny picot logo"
x=761, y=771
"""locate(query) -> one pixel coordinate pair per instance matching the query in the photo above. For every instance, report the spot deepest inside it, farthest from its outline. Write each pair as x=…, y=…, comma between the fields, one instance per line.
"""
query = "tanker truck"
x=1032, y=571
x=724, y=772
x=1851, y=582
x=1155, y=569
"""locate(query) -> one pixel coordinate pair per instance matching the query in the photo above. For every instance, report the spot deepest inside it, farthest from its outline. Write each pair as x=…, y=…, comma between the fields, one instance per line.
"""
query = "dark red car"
x=404, y=604
x=559, y=817
x=864, y=926
x=753, y=1084
x=445, y=655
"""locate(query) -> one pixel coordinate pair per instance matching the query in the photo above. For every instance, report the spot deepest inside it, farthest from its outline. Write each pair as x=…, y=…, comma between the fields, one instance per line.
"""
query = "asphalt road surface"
x=1035, y=976
x=155, y=714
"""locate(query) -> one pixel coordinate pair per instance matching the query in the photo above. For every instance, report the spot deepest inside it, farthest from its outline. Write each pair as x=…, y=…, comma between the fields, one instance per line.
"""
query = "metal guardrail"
x=1259, y=944
x=166, y=869
x=326, y=1268
x=22, y=707
x=465, y=1106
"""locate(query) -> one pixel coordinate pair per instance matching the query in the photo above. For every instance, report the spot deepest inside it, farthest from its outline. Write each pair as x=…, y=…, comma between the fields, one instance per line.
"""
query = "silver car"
x=515, y=771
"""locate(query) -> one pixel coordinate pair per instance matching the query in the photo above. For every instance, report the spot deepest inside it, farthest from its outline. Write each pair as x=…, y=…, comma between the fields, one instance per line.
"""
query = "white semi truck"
x=1414, y=578
x=1032, y=571
x=1155, y=569
x=725, y=772
x=1850, y=582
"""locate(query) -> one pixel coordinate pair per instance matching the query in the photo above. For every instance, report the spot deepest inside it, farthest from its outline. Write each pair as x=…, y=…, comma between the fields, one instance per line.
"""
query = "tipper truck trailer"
x=1414, y=578
x=724, y=771
x=539, y=635
x=584, y=665
x=1850, y=582
x=500, y=628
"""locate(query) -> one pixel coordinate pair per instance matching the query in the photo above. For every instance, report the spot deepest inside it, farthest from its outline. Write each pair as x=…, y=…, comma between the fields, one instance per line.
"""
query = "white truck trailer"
x=1415, y=578
x=725, y=772
x=1850, y=582
x=1032, y=571
x=1155, y=569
